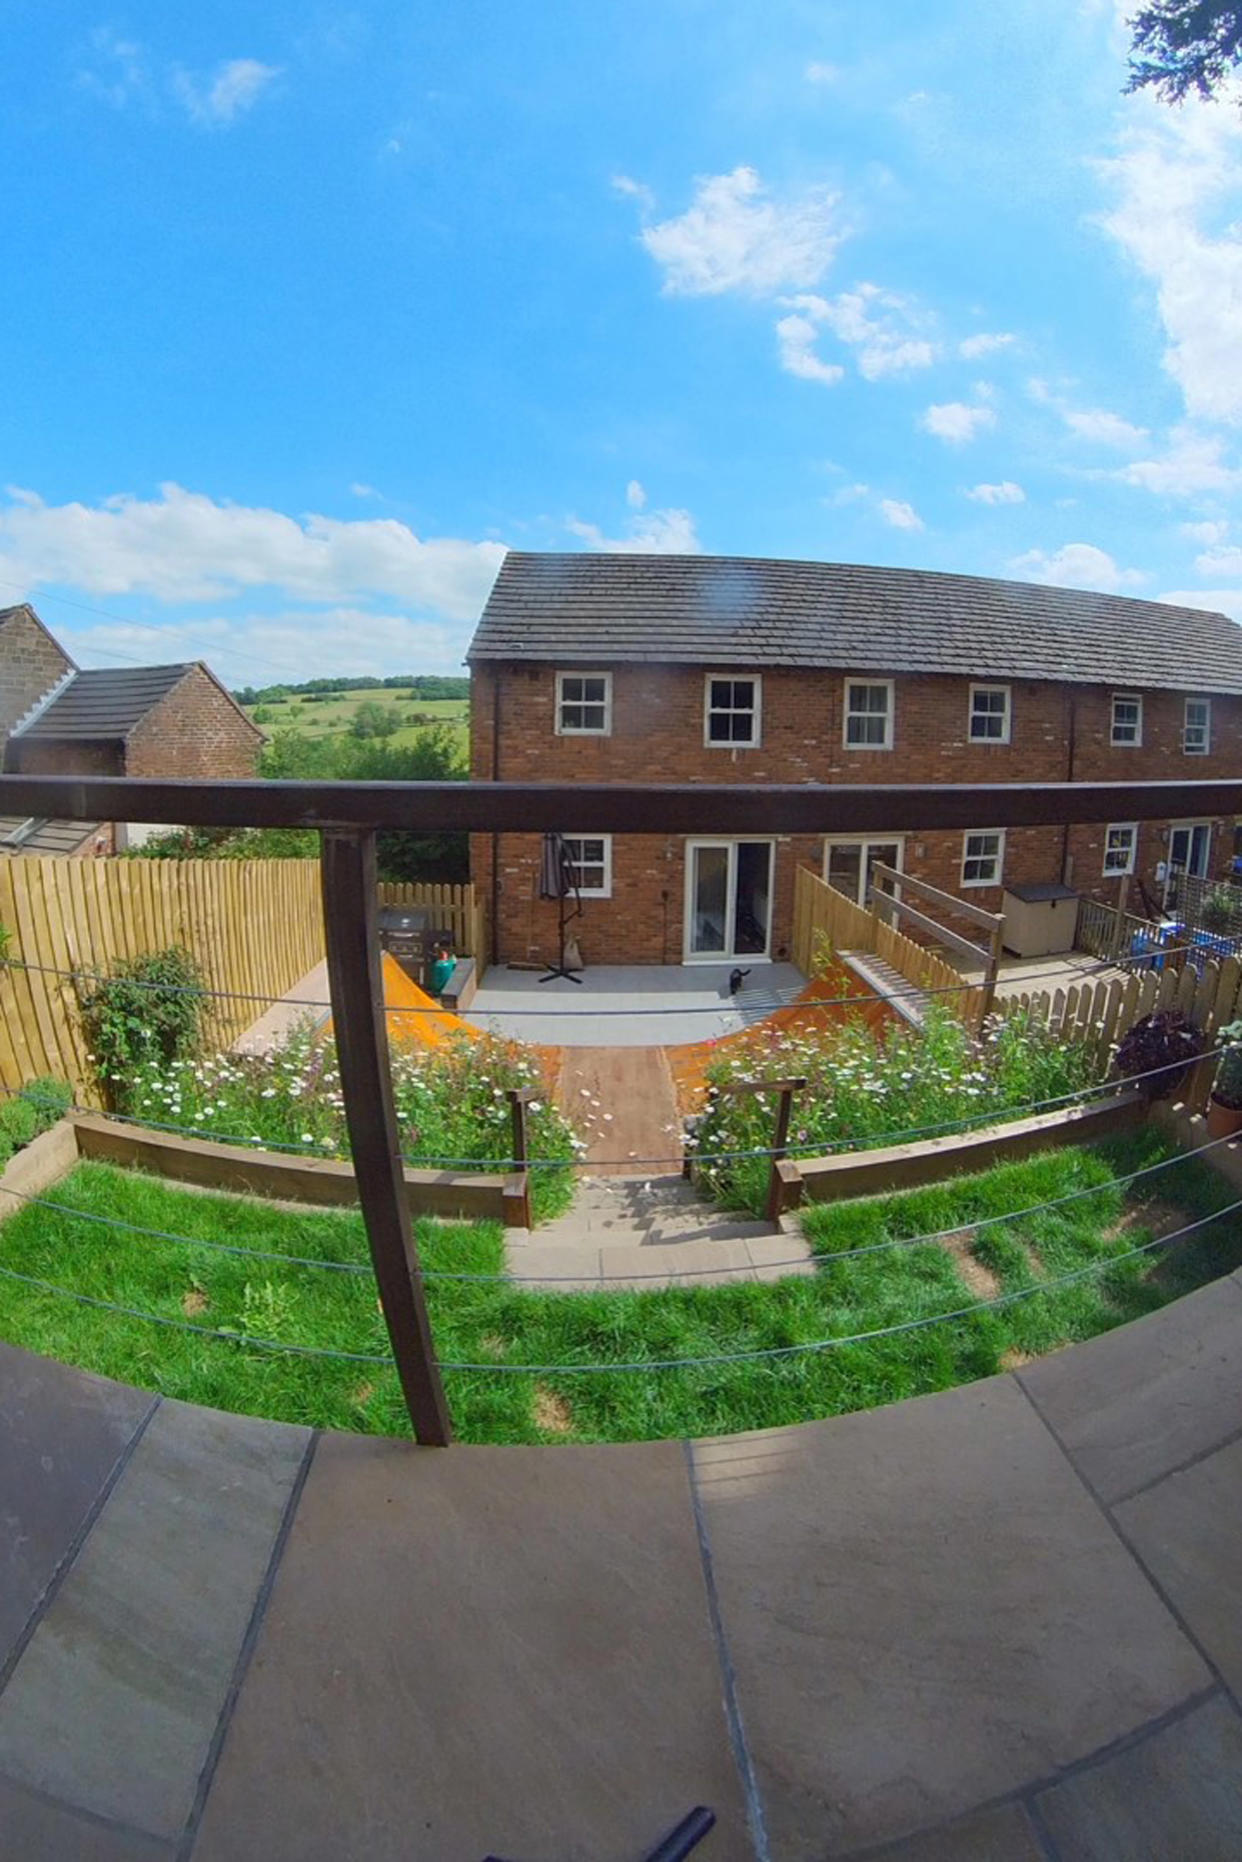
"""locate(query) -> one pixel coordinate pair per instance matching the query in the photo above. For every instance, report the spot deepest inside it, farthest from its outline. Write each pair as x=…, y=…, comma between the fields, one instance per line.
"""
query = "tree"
x=373, y=720
x=1185, y=46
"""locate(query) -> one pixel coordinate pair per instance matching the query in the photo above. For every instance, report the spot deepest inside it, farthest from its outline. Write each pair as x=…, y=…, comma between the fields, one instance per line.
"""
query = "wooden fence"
x=822, y=915
x=459, y=911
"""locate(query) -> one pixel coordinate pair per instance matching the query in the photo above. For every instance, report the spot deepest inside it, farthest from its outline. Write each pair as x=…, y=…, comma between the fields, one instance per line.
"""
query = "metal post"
x=356, y=982
x=519, y=1098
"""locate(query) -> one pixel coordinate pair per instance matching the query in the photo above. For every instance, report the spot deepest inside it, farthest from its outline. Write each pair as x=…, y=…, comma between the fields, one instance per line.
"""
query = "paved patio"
x=1002, y=1624
x=631, y=1005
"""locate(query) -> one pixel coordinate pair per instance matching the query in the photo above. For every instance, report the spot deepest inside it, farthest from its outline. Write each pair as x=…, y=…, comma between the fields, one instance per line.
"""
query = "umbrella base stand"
x=562, y=966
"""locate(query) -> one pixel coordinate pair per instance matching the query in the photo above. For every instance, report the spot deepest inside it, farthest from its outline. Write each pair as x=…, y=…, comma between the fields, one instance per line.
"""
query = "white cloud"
x=1193, y=464
x=359, y=490
x=1004, y=493
x=1217, y=600
x=1223, y=561
x=796, y=337
x=1077, y=565
x=1207, y=532
x=819, y=72
x=985, y=344
x=848, y=494
x=655, y=533
x=735, y=237
x=117, y=71
x=634, y=190
x=881, y=326
x=900, y=516
x=635, y=496
x=1099, y=425
x=1176, y=183
x=185, y=547
x=235, y=88
x=955, y=422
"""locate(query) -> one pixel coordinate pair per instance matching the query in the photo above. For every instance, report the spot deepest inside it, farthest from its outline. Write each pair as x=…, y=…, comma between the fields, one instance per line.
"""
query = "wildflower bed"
x=865, y=1089
x=451, y=1105
x=489, y=1322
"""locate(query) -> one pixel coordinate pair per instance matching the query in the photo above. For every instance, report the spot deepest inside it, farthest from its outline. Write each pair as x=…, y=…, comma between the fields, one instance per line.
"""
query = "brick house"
x=717, y=669
x=151, y=721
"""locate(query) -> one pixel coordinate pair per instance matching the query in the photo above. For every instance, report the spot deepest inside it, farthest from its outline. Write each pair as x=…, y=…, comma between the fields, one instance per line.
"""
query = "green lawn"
x=489, y=1322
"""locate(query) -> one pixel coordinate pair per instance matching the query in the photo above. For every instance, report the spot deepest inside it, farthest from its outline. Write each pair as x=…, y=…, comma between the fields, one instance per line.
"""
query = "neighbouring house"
x=152, y=721
x=627, y=668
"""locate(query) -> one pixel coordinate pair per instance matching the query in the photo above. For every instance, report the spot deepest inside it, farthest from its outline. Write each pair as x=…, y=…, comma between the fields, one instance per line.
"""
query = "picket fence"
x=254, y=927
x=825, y=917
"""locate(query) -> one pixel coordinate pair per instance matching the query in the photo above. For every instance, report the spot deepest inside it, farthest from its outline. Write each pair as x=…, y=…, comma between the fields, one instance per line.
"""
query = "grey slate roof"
x=582, y=609
x=25, y=834
x=107, y=703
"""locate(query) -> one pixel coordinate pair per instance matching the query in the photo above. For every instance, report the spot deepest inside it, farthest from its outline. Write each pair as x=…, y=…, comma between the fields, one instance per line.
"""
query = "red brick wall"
x=196, y=731
x=657, y=736
x=31, y=663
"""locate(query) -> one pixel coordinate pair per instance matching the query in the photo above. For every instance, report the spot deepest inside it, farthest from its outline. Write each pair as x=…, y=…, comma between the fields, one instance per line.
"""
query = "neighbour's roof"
x=737, y=611
x=30, y=834
x=107, y=703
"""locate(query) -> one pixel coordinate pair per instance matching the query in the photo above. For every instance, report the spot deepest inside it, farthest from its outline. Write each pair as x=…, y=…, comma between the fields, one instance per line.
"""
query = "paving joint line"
x=98, y=1819
x=69, y=1557
x=241, y=1667
x=1132, y=1551
x=1180, y=1467
x=742, y=1757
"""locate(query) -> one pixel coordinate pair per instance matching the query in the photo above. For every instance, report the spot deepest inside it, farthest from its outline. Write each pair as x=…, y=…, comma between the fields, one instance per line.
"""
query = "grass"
x=492, y=1323
x=331, y=716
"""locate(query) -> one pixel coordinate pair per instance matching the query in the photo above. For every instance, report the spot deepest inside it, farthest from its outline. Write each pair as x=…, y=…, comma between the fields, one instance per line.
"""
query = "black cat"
x=735, y=980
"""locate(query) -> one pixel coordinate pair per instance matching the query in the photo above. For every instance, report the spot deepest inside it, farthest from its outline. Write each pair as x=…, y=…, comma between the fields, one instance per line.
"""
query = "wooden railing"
x=824, y=917
x=891, y=905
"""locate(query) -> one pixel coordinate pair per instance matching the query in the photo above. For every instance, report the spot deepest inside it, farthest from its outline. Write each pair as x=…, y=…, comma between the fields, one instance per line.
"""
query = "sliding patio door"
x=728, y=900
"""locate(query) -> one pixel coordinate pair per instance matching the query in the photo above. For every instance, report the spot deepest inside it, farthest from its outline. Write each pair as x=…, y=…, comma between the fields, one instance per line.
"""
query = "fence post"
x=357, y=990
x=519, y=1098
x=987, y=994
x=776, y=1188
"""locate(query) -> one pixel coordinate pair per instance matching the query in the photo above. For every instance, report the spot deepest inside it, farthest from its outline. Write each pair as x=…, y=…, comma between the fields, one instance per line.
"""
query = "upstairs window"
x=868, y=714
x=983, y=856
x=1197, y=731
x=1127, y=720
x=590, y=856
x=583, y=704
x=989, y=714
x=1120, y=843
x=731, y=713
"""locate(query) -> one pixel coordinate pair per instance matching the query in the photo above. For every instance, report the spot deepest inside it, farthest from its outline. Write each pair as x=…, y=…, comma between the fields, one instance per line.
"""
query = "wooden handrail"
x=987, y=921
x=884, y=901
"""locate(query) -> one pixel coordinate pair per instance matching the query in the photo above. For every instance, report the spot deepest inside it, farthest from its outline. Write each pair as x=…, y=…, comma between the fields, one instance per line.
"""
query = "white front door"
x=728, y=900
x=848, y=864
x=1190, y=852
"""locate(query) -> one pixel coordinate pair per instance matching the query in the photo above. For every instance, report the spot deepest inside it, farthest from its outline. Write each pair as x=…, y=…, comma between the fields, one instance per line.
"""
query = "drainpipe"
x=1069, y=777
x=495, y=836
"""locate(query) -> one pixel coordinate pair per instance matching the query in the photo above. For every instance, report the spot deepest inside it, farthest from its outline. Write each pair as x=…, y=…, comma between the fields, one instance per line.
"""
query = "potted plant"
x=1224, y=1116
x=1216, y=914
x=1157, y=1053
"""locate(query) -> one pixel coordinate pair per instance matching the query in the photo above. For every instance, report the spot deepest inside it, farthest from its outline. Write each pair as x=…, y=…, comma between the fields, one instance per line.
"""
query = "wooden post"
x=519, y=1098
x=776, y=1187
x=1119, y=929
x=987, y=995
x=357, y=989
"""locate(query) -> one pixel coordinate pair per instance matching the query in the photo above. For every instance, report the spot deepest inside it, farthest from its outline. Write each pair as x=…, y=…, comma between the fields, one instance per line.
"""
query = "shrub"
x=149, y=1009
x=1227, y=1086
x=19, y=1122
x=1219, y=910
x=1160, y=1046
x=49, y=1098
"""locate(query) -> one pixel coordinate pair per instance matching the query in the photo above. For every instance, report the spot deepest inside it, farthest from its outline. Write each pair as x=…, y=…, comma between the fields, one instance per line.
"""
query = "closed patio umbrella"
x=558, y=879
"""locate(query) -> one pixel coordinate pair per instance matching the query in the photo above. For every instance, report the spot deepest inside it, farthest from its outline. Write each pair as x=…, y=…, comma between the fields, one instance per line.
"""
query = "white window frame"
x=1203, y=748
x=1127, y=743
x=998, y=877
x=887, y=685
x=583, y=730
x=866, y=842
x=1006, y=715
x=1112, y=871
x=755, y=711
x=604, y=889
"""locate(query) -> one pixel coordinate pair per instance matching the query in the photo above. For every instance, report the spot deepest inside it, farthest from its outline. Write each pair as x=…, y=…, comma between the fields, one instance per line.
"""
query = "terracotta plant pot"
x=1223, y=1121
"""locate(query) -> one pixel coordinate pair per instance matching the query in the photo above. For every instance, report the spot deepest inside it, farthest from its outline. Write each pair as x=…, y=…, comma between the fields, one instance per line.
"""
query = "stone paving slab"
x=1134, y=1403
x=926, y=1611
x=1188, y=1532
x=62, y=1433
x=1000, y=1834
x=115, y=1699
x=553, y=1269
x=514, y=1655
x=32, y=1828
x=1175, y=1797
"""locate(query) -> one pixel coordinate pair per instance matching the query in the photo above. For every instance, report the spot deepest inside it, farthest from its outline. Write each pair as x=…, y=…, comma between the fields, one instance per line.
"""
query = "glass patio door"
x=728, y=900
x=848, y=864
x=1190, y=848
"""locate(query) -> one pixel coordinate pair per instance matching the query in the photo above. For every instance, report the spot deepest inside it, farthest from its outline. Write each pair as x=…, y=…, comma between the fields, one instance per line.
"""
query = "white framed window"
x=989, y=714
x=1127, y=720
x=1197, y=729
x=590, y=856
x=983, y=857
x=732, y=711
x=584, y=704
x=868, y=714
x=1120, y=846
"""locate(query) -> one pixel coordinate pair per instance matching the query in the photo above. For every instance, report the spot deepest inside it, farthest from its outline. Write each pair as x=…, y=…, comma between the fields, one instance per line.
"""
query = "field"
x=1052, y=1238
x=331, y=715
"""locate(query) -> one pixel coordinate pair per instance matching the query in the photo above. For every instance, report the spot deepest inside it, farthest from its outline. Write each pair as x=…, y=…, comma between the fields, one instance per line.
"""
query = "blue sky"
x=311, y=312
